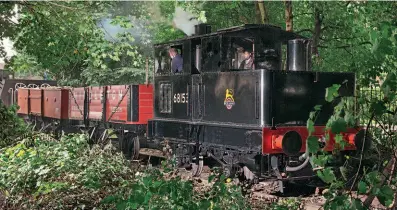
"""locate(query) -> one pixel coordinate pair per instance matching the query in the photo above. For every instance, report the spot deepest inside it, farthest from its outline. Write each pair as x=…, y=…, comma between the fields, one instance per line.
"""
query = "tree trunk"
x=258, y=16
x=288, y=16
x=317, y=31
x=263, y=12
x=147, y=71
x=288, y=24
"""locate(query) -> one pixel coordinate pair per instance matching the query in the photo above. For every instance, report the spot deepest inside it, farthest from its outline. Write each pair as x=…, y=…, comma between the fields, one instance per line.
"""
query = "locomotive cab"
x=253, y=118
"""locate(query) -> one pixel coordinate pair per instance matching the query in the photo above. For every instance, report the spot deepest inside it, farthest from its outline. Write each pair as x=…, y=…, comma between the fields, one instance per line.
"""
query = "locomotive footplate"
x=231, y=148
x=235, y=149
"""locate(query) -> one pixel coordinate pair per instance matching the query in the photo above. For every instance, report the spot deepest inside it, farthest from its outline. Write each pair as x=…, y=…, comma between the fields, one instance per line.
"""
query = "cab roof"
x=247, y=30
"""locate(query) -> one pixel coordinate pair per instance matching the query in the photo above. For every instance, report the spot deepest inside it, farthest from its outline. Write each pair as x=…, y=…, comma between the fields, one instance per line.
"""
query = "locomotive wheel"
x=231, y=171
x=197, y=168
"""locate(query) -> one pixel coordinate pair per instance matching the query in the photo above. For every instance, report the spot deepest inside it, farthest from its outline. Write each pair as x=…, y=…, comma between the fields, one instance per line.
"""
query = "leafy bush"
x=159, y=190
x=65, y=174
x=11, y=126
x=367, y=178
x=287, y=204
x=59, y=175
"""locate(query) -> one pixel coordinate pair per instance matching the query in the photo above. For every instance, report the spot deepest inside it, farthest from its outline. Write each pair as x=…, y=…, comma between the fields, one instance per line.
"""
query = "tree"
x=7, y=11
x=66, y=39
x=263, y=15
x=288, y=16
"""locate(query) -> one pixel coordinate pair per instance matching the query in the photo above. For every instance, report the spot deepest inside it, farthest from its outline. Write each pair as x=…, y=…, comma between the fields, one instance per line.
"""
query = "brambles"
x=153, y=190
x=60, y=174
x=65, y=174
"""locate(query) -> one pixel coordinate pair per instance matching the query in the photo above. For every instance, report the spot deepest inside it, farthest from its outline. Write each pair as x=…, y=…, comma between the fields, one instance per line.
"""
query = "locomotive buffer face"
x=236, y=114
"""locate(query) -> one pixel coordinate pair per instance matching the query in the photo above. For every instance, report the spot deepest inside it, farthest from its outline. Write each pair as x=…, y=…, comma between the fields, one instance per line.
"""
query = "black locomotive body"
x=253, y=118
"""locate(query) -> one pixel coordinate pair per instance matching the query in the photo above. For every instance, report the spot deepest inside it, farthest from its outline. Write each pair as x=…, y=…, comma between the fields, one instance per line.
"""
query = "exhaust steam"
x=185, y=21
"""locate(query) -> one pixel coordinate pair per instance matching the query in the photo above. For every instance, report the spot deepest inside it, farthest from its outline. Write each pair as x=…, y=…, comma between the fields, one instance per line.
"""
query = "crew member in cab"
x=177, y=61
x=248, y=62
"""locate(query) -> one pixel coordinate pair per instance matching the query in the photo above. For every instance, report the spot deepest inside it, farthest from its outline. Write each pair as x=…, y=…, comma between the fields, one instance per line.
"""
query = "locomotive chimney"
x=202, y=28
x=298, y=55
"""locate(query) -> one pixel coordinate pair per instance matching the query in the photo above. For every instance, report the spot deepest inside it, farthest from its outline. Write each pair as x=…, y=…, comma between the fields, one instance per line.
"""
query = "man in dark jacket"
x=248, y=62
x=177, y=61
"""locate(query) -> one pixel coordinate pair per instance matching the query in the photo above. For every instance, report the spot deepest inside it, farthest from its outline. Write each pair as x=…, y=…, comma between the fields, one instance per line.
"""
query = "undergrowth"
x=67, y=174
x=11, y=126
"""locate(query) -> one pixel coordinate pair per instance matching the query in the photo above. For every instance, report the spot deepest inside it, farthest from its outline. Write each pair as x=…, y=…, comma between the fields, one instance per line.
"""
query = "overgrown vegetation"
x=378, y=115
x=64, y=38
x=44, y=173
x=11, y=126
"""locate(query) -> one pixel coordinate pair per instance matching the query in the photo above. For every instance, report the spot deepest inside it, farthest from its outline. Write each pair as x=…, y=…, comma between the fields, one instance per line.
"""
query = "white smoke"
x=138, y=31
x=184, y=21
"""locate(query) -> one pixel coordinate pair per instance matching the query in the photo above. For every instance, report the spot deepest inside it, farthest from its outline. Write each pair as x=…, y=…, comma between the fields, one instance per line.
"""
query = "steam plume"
x=184, y=21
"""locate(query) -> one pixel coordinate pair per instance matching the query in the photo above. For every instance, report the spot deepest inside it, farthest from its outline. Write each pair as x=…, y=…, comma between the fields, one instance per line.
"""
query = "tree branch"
x=336, y=38
x=9, y=19
x=304, y=30
x=362, y=150
x=304, y=13
x=324, y=28
x=348, y=51
x=60, y=5
x=345, y=46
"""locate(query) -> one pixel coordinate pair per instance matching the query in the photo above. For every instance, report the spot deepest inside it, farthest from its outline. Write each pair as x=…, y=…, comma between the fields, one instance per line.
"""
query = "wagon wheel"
x=33, y=86
x=134, y=151
x=92, y=135
x=19, y=85
x=197, y=167
x=45, y=85
x=130, y=146
x=43, y=126
x=104, y=137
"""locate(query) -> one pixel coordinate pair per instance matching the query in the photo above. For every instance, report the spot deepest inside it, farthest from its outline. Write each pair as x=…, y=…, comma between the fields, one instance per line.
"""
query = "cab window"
x=241, y=53
x=177, y=61
x=163, y=61
x=268, y=55
x=210, y=54
x=249, y=53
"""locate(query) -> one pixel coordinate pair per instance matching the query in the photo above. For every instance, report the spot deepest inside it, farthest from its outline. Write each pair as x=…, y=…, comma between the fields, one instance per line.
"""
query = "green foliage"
x=40, y=173
x=68, y=40
x=6, y=22
x=331, y=92
x=362, y=187
x=338, y=126
x=57, y=174
x=313, y=144
x=327, y=175
x=162, y=190
x=342, y=118
x=287, y=204
x=11, y=126
x=25, y=65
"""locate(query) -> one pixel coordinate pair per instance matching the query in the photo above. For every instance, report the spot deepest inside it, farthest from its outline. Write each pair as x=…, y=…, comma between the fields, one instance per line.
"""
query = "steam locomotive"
x=250, y=120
